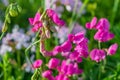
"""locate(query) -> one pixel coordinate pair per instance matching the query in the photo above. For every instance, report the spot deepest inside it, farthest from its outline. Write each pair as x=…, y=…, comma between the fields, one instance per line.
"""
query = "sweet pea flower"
x=103, y=24
x=92, y=24
x=97, y=55
x=78, y=37
x=61, y=77
x=56, y=50
x=37, y=63
x=54, y=17
x=53, y=63
x=35, y=22
x=66, y=47
x=112, y=49
x=103, y=36
x=48, y=74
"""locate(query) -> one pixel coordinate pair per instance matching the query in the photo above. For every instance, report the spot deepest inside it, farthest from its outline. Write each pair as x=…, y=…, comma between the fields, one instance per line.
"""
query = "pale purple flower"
x=97, y=55
x=62, y=33
x=18, y=37
x=53, y=63
x=35, y=22
x=112, y=49
x=37, y=63
x=5, y=48
x=78, y=28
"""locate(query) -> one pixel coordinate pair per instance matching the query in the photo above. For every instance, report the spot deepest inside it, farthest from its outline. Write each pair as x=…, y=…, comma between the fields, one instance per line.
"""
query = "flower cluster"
x=102, y=35
x=15, y=40
x=72, y=50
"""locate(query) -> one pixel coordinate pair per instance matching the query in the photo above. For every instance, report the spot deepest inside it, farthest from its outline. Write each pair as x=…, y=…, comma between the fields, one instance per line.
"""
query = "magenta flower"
x=112, y=49
x=54, y=17
x=103, y=36
x=61, y=77
x=66, y=47
x=97, y=55
x=78, y=37
x=56, y=50
x=35, y=22
x=103, y=24
x=92, y=24
x=37, y=63
x=48, y=74
x=53, y=63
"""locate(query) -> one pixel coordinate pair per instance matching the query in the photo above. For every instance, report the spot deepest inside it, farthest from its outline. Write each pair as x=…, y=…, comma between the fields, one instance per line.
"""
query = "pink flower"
x=61, y=77
x=112, y=49
x=66, y=47
x=35, y=22
x=75, y=56
x=54, y=17
x=92, y=24
x=56, y=50
x=103, y=36
x=53, y=63
x=78, y=37
x=48, y=74
x=103, y=24
x=37, y=63
x=97, y=55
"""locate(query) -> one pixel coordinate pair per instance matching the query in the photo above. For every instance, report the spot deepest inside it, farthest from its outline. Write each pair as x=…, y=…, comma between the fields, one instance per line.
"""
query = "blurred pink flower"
x=103, y=36
x=54, y=17
x=92, y=24
x=103, y=24
x=35, y=22
x=37, y=63
x=97, y=55
x=48, y=74
x=53, y=63
x=112, y=49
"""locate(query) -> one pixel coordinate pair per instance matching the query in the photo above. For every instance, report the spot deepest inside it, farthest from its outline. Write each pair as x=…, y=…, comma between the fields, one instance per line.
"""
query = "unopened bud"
x=47, y=33
x=5, y=27
x=53, y=29
x=8, y=18
x=13, y=11
x=19, y=8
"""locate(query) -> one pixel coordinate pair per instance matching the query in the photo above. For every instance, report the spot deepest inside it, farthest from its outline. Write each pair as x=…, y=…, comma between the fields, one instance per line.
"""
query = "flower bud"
x=8, y=18
x=13, y=11
x=47, y=33
x=19, y=8
x=5, y=27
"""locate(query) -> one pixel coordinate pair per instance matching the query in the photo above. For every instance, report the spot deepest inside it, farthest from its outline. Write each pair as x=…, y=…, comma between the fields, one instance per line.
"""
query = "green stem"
x=26, y=51
x=100, y=68
x=99, y=44
x=79, y=13
x=115, y=8
x=18, y=59
x=73, y=15
x=2, y=35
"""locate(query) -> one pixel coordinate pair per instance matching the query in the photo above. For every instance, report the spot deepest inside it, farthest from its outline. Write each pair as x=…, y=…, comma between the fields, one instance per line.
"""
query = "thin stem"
x=73, y=15
x=79, y=13
x=99, y=44
x=100, y=68
x=115, y=8
x=2, y=35
x=26, y=51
